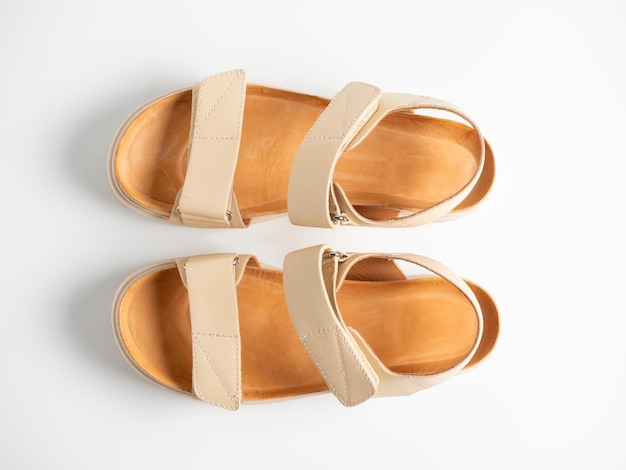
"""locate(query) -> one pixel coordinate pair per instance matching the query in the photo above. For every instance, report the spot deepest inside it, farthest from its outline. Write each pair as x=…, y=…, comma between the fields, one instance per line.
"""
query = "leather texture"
x=309, y=289
x=211, y=285
x=310, y=182
x=206, y=198
x=315, y=200
x=351, y=369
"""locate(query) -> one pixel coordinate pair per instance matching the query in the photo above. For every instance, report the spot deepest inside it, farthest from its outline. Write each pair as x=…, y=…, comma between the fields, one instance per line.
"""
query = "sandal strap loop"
x=402, y=102
x=206, y=198
x=349, y=366
x=315, y=200
x=395, y=384
x=211, y=283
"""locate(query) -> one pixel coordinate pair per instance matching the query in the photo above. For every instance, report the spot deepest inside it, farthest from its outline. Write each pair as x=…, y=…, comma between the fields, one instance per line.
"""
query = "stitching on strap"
x=337, y=331
x=196, y=342
x=333, y=103
x=198, y=126
x=214, y=335
x=344, y=130
x=416, y=381
x=343, y=367
x=317, y=332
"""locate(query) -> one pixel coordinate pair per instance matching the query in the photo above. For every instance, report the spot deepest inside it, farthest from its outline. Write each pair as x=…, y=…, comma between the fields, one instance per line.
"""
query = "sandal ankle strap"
x=350, y=368
x=315, y=200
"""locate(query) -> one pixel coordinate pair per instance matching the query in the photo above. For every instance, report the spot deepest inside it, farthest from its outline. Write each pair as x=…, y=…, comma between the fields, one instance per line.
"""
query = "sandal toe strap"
x=211, y=284
x=206, y=198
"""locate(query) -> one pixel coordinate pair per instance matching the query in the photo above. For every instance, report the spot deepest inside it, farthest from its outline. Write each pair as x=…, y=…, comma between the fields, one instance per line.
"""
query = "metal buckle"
x=340, y=255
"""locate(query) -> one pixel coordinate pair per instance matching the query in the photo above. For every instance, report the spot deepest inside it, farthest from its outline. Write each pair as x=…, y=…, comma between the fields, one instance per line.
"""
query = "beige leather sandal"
x=225, y=328
x=225, y=153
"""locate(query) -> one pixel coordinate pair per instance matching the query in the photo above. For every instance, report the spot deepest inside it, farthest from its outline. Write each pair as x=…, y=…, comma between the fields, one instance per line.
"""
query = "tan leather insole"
x=416, y=326
x=408, y=162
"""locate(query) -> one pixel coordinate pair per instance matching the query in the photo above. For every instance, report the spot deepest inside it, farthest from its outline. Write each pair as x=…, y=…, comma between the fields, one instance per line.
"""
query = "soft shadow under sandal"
x=225, y=153
x=221, y=327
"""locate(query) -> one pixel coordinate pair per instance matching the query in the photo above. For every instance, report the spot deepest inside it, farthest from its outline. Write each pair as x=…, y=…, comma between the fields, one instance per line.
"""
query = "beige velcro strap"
x=349, y=366
x=309, y=276
x=310, y=192
x=402, y=102
x=315, y=200
x=395, y=384
x=206, y=198
x=211, y=284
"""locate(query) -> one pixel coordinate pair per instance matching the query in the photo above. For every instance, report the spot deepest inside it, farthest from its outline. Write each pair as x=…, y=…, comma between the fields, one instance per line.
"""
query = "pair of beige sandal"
x=227, y=328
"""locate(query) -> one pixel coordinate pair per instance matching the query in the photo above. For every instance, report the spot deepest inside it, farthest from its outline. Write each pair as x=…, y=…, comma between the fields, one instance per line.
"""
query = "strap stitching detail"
x=345, y=113
x=232, y=398
x=345, y=129
x=321, y=116
x=343, y=367
x=198, y=127
x=416, y=381
x=215, y=335
x=321, y=370
x=317, y=332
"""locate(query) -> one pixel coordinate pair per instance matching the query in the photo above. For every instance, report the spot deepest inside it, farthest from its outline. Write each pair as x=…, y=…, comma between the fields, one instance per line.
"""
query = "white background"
x=544, y=80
